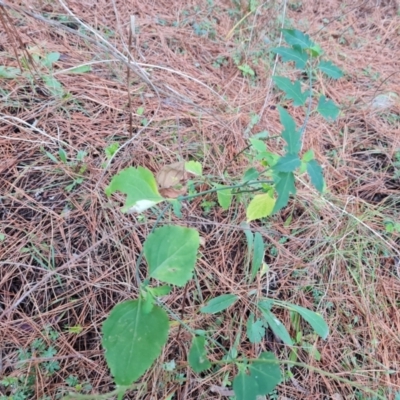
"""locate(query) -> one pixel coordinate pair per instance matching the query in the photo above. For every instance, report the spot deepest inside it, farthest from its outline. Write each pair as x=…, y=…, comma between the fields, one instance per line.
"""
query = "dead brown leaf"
x=171, y=175
x=171, y=193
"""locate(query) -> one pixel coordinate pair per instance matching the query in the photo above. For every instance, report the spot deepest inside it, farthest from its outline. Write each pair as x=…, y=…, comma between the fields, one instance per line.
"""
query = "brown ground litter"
x=67, y=257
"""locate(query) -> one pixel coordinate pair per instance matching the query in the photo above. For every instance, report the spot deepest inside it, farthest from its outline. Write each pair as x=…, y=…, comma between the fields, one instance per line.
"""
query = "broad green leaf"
x=284, y=187
x=308, y=156
x=296, y=54
x=266, y=372
x=53, y=85
x=328, y=109
x=258, y=145
x=198, y=360
x=261, y=206
x=276, y=326
x=250, y=175
x=297, y=38
x=258, y=255
x=292, y=90
x=245, y=387
x=287, y=163
x=255, y=329
x=328, y=68
x=133, y=339
x=224, y=197
x=218, y=304
x=171, y=253
x=314, y=319
x=290, y=134
x=81, y=69
x=9, y=72
x=140, y=187
x=316, y=176
x=194, y=167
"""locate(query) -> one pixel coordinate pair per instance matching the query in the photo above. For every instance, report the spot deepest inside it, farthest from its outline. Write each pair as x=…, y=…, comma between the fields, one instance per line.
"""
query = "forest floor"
x=67, y=255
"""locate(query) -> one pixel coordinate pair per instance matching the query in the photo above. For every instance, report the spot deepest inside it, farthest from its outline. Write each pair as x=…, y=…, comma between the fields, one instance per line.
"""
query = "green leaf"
x=250, y=241
x=296, y=54
x=261, y=206
x=246, y=70
x=327, y=108
x=287, y=163
x=224, y=196
x=52, y=158
x=261, y=135
x=53, y=85
x=258, y=256
x=316, y=51
x=176, y=206
x=133, y=339
x=290, y=135
x=292, y=90
x=171, y=253
x=266, y=372
x=255, y=329
x=219, y=303
x=276, y=326
x=194, y=167
x=328, y=68
x=140, y=187
x=63, y=155
x=245, y=387
x=284, y=187
x=50, y=59
x=9, y=72
x=308, y=156
x=314, y=319
x=250, y=175
x=316, y=176
x=80, y=69
x=198, y=360
x=160, y=290
x=258, y=145
x=297, y=38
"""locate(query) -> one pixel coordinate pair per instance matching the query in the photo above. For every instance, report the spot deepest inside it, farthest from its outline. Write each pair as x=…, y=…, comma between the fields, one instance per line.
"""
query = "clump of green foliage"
x=136, y=331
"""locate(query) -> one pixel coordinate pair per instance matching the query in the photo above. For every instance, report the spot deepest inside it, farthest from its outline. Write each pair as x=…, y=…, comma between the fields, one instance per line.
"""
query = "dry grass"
x=67, y=257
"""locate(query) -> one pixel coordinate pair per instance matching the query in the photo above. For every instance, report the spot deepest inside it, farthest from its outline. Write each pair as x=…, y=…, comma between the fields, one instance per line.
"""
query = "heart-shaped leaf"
x=133, y=338
x=171, y=253
x=140, y=187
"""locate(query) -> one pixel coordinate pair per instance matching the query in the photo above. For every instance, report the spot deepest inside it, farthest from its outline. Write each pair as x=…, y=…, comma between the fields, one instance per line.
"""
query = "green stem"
x=214, y=190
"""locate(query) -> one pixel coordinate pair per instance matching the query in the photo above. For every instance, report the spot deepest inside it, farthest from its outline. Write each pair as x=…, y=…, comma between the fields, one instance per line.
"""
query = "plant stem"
x=240, y=185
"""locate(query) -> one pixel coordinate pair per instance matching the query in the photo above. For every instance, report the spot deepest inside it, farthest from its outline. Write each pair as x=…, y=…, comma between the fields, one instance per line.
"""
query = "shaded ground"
x=67, y=254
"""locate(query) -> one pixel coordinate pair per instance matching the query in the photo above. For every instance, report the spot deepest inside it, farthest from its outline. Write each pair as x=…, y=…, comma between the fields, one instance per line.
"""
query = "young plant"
x=136, y=331
x=23, y=386
x=45, y=66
